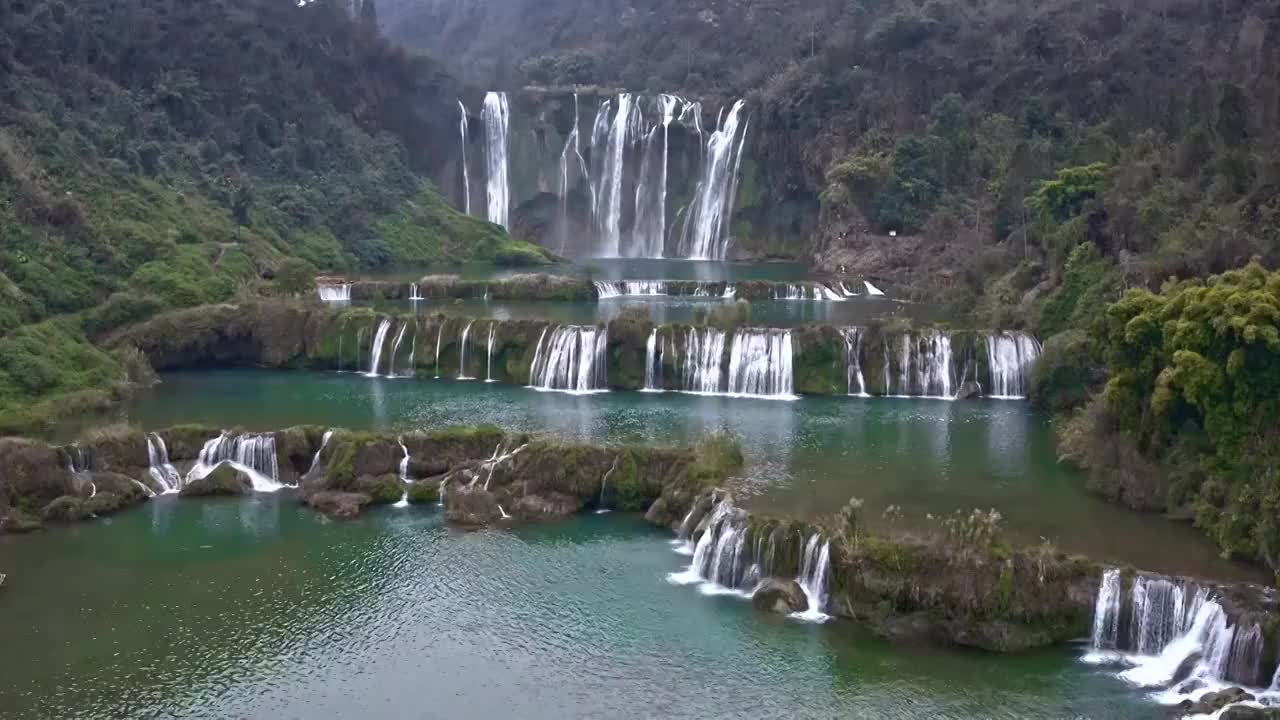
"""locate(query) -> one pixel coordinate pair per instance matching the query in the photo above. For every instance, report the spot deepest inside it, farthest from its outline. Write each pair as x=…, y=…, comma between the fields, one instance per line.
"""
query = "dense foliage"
x=1195, y=382
x=155, y=153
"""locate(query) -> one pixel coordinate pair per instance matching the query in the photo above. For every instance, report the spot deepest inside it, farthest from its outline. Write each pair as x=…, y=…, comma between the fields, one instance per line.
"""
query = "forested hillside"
x=156, y=153
x=994, y=138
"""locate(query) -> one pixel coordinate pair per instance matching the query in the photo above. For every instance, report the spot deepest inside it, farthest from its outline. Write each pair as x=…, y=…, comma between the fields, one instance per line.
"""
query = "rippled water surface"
x=261, y=609
x=810, y=456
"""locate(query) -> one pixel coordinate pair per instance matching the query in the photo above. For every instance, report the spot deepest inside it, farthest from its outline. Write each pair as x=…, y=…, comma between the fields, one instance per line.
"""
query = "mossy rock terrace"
x=295, y=335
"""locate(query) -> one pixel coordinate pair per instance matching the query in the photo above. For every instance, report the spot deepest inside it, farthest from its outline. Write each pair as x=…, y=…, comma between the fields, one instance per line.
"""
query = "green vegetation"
x=160, y=155
x=1194, y=389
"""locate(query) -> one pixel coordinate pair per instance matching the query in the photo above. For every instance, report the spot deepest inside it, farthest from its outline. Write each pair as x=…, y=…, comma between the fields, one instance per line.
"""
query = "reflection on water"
x=928, y=457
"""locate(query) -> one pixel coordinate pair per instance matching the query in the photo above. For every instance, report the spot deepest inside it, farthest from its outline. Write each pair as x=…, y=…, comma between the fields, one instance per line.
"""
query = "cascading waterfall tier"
x=1010, y=356
x=1174, y=634
x=254, y=455
x=706, y=231
x=630, y=288
x=809, y=291
x=654, y=350
x=759, y=363
x=571, y=358
x=925, y=366
x=335, y=294
x=497, y=125
x=375, y=350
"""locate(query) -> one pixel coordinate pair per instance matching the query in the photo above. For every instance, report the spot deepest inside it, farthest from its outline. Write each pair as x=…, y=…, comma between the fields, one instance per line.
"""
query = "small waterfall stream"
x=439, y=338
x=162, y=471
x=405, y=480
x=497, y=124
x=488, y=373
x=375, y=350
x=462, y=352
x=815, y=566
x=395, y=348
x=655, y=348
x=857, y=384
x=571, y=358
x=316, y=467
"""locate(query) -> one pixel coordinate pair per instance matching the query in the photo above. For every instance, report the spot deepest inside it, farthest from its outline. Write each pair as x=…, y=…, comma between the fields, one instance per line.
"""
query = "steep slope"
x=155, y=153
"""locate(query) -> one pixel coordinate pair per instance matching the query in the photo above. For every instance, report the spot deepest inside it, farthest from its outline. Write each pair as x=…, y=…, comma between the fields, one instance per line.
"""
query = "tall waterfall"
x=1010, y=357
x=1167, y=627
x=760, y=363
x=609, y=208
x=654, y=349
x=497, y=125
x=573, y=142
x=375, y=350
x=857, y=384
x=161, y=470
x=253, y=455
x=395, y=348
x=571, y=358
x=336, y=294
x=466, y=171
x=706, y=235
x=925, y=366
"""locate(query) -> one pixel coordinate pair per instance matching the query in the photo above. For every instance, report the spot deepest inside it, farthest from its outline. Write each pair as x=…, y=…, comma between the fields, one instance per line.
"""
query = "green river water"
x=261, y=609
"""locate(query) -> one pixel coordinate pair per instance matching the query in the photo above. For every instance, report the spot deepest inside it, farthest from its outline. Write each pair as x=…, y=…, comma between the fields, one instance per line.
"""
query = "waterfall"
x=574, y=142
x=462, y=352
x=646, y=230
x=1010, y=358
x=403, y=502
x=1106, y=611
x=815, y=565
x=336, y=294
x=439, y=337
x=707, y=224
x=315, y=460
x=395, y=348
x=571, y=358
x=925, y=366
x=638, y=288
x=488, y=373
x=760, y=363
x=807, y=291
x=604, y=485
x=161, y=470
x=253, y=455
x=702, y=360
x=497, y=124
x=610, y=205
x=375, y=351
x=730, y=291
x=872, y=290
x=653, y=362
x=415, y=292
x=857, y=386
x=1173, y=626
x=669, y=103
x=466, y=172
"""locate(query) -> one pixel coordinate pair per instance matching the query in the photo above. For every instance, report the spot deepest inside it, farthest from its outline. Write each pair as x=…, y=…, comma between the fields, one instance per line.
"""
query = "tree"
x=296, y=276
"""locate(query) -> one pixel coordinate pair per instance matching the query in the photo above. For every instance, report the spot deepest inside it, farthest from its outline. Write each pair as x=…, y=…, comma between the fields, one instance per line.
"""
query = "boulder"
x=1249, y=712
x=471, y=506
x=105, y=503
x=659, y=513
x=1186, y=667
x=969, y=391
x=67, y=508
x=13, y=520
x=340, y=505
x=780, y=596
x=549, y=506
x=384, y=490
x=224, y=480
x=1212, y=702
x=32, y=470
x=424, y=493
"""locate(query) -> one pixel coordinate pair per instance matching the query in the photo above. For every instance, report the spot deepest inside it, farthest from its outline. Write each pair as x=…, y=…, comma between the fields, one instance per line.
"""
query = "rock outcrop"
x=779, y=596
